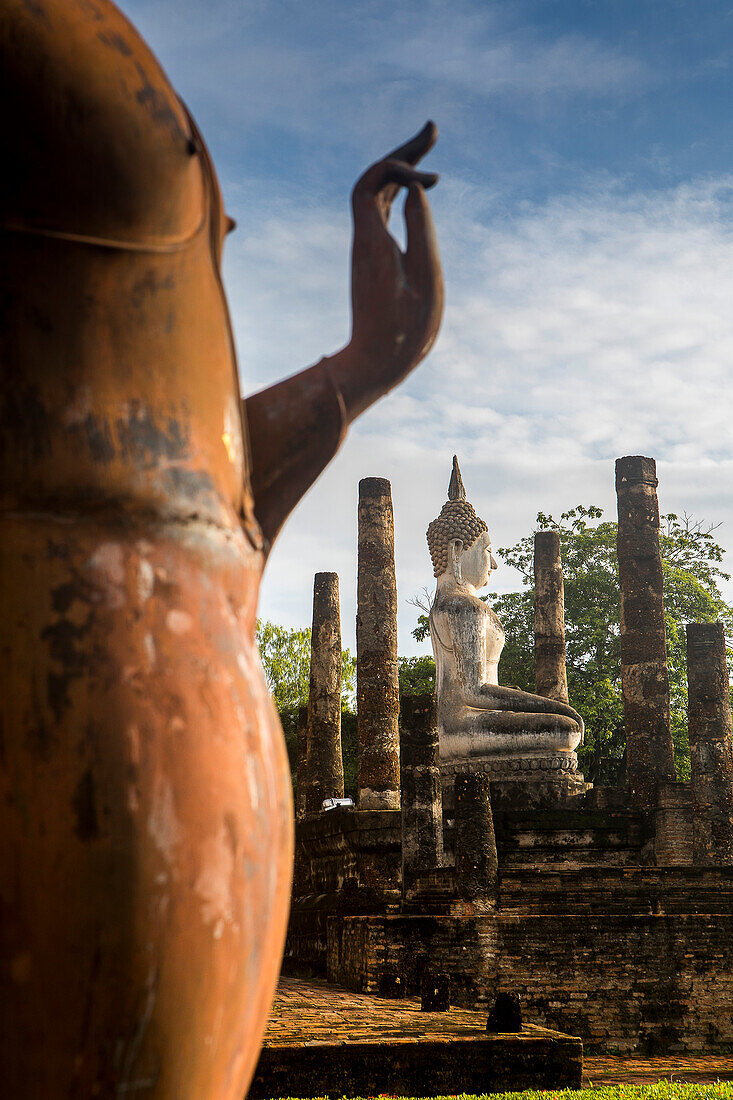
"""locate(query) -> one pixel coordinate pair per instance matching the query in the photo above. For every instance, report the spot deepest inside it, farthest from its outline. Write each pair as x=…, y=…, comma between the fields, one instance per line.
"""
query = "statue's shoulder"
x=459, y=604
x=123, y=159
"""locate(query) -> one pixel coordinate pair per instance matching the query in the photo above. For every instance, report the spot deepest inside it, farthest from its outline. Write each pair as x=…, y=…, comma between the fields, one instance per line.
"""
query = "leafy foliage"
x=691, y=563
x=285, y=658
x=416, y=675
x=285, y=655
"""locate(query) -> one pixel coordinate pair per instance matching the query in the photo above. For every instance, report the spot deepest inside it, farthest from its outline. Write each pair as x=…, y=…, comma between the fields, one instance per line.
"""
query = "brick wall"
x=638, y=980
x=360, y=949
x=596, y=940
x=349, y=847
x=650, y=983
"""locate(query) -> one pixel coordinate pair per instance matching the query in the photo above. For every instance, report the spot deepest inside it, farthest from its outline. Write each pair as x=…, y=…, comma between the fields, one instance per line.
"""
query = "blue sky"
x=585, y=218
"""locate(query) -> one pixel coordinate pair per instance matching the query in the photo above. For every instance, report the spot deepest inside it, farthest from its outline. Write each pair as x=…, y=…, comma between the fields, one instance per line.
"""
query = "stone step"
x=590, y=838
x=633, y=891
x=564, y=857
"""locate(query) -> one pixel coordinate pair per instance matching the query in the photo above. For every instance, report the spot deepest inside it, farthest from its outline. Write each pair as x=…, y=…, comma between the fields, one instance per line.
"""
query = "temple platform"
x=323, y=1040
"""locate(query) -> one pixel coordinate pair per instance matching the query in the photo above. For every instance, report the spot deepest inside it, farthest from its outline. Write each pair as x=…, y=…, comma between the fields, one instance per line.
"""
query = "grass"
x=662, y=1090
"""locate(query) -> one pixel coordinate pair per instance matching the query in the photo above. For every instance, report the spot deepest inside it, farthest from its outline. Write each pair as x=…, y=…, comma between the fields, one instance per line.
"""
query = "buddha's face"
x=477, y=562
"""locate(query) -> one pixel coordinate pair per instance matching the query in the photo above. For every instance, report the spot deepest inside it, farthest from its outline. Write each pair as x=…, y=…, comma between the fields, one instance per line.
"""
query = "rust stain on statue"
x=144, y=791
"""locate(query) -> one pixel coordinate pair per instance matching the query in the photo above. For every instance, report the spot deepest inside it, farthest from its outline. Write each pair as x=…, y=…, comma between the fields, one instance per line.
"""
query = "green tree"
x=286, y=655
x=692, y=571
x=416, y=675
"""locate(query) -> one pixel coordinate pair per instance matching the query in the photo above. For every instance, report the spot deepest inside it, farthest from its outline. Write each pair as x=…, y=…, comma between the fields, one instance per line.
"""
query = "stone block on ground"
x=506, y=1015
x=435, y=991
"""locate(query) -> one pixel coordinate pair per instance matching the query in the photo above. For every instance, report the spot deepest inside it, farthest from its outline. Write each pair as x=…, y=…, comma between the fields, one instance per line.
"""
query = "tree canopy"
x=691, y=563
x=416, y=675
x=285, y=654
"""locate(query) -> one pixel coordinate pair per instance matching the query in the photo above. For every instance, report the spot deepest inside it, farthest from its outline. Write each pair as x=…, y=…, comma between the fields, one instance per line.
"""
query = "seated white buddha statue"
x=479, y=720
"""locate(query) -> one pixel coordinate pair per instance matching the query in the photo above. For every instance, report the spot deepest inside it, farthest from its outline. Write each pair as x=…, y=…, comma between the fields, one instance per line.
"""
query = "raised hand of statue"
x=296, y=426
x=397, y=297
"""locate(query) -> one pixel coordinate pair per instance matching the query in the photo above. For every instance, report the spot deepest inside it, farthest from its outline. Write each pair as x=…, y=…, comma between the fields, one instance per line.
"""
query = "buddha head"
x=458, y=539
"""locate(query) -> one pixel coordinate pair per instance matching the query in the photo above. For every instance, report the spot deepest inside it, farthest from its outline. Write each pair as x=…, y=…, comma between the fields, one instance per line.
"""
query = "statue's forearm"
x=495, y=697
x=295, y=428
x=361, y=377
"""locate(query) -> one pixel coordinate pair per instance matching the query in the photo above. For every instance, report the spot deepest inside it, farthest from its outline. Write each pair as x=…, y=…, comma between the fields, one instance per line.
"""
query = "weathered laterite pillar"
x=300, y=858
x=644, y=676
x=422, y=804
x=376, y=650
x=549, y=618
x=325, y=763
x=302, y=749
x=476, y=873
x=711, y=744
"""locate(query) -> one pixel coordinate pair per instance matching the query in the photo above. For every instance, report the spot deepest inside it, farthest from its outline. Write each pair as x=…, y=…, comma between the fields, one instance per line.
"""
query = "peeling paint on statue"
x=145, y=803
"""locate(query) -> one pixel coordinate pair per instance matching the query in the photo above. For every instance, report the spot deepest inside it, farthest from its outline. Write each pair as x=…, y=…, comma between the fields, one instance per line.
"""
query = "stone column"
x=422, y=805
x=549, y=618
x=302, y=747
x=300, y=858
x=711, y=744
x=475, y=845
x=325, y=763
x=377, y=689
x=644, y=676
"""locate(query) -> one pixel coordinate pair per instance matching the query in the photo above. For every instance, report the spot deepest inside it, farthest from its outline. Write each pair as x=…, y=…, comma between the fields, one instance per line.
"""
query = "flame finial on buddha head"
x=457, y=520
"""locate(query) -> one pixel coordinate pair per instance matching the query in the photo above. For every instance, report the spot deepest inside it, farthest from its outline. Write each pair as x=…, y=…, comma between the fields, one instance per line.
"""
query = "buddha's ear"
x=455, y=548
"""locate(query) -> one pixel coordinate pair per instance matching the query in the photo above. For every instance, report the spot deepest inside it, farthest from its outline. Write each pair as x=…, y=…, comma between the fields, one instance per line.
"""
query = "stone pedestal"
x=377, y=686
x=549, y=618
x=644, y=676
x=711, y=744
x=422, y=806
x=325, y=763
x=544, y=781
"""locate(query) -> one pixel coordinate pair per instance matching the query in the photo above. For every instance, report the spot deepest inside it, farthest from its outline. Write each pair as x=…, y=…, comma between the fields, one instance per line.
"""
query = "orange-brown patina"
x=145, y=807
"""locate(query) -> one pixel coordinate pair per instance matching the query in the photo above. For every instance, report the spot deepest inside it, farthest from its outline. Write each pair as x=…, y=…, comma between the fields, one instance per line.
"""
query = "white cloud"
x=332, y=73
x=592, y=326
x=467, y=50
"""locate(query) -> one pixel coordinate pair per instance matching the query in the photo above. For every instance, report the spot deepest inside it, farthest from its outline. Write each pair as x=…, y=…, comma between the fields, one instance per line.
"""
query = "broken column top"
x=634, y=469
x=418, y=717
x=325, y=583
x=546, y=546
x=374, y=487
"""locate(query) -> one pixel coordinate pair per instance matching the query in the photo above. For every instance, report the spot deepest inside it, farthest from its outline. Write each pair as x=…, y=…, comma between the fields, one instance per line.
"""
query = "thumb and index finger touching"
x=412, y=151
x=376, y=189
